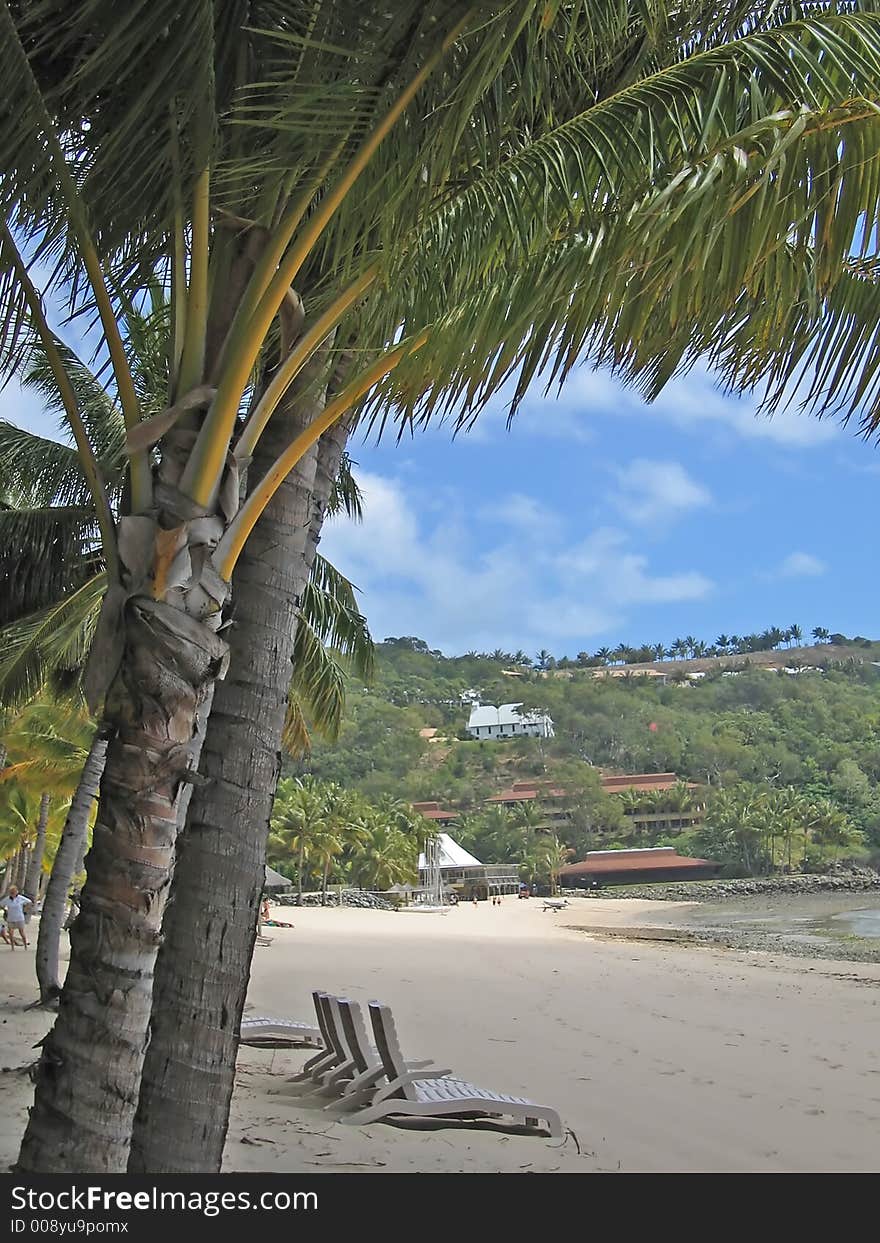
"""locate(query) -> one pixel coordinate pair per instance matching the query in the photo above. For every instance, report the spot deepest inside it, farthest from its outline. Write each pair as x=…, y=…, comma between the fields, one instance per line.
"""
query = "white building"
x=461, y=871
x=507, y=721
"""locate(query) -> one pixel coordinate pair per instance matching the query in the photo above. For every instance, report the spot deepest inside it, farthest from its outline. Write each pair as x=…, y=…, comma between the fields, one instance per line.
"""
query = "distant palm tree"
x=622, y=652
x=699, y=649
x=659, y=651
x=543, y=659
x=820, y=634
x=604, y=654
x=795, y=634
x=690, y=643
x=723, y=642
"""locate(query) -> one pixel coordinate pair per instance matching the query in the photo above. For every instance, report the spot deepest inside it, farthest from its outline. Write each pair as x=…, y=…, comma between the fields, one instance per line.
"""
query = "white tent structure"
x=444, y=863
x=449, y=855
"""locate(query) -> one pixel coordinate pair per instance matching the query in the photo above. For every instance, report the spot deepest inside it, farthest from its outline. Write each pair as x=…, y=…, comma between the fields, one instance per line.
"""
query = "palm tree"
x=394, y=193
x=658, y=651
x=387, y=857
x=820, y=634
x=543, y=659
x=604, y=654
x=52, y=642
x=795, y=634
x=723, y=642
x=299, y=820
x=555, y=856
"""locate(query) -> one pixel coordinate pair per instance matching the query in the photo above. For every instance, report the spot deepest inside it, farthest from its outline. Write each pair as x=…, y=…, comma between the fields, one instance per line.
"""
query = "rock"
x=845, y=880
x=350, y=897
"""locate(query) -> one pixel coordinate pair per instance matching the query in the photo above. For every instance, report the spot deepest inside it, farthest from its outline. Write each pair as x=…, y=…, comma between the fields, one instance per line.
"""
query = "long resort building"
x=634, y=867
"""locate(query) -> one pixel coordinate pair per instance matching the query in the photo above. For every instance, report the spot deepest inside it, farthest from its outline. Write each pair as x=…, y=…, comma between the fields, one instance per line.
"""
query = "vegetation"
x=812, y=738
x=688, y=648
x=492, y=191
x=334, y=835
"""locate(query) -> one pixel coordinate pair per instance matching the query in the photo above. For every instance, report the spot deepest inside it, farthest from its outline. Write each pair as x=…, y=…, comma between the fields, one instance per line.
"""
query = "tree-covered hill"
x=813, y=733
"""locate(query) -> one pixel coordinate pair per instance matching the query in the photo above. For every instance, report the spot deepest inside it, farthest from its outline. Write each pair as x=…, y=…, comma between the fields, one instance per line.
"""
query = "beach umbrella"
x=274, y=880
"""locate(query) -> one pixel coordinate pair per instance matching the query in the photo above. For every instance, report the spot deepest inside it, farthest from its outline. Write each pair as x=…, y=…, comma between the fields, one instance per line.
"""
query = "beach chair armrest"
x=402, y=1080
x=418, y=1065
x=366, y=1079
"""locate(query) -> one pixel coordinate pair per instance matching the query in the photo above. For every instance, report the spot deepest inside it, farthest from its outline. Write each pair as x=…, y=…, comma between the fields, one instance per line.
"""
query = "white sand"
x=659, y=1057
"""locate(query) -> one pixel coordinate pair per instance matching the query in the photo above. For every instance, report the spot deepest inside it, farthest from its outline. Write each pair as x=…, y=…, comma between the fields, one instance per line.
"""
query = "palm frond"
x=329, y=607
x=685, y=188
x=44, y=554
x=52, y=642
x=318, y=682
x=102, y=418
x=346, y=497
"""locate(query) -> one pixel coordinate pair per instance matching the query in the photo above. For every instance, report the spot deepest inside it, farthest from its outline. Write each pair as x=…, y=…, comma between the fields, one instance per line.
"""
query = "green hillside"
x=749, y=737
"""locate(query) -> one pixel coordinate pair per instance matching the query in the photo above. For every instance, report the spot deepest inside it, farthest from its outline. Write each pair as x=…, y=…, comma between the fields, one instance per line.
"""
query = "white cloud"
x=653, y=492
x=688, y=401
x=802, y=565
x=460, y=590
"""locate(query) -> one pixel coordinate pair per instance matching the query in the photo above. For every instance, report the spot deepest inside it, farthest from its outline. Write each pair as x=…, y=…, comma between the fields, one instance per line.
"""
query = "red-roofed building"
x=634, y=867
x=433, y=811
x=616, y=784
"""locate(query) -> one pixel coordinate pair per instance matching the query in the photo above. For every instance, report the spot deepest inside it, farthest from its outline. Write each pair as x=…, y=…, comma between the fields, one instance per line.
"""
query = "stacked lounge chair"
x=379, y=1082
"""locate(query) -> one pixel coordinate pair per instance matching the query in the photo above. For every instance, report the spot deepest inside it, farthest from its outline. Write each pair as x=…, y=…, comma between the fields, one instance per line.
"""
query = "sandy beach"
x=660, y=1057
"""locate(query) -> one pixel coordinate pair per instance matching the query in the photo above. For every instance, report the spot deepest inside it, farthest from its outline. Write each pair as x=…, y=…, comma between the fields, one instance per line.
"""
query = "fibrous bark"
x=90, y=1067
x=210, y=926
x=64, y=868
x=31, y=884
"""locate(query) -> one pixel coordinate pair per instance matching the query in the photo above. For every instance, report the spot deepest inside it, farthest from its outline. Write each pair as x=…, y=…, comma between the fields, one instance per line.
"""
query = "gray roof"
x=505, y=714
x=274, y=880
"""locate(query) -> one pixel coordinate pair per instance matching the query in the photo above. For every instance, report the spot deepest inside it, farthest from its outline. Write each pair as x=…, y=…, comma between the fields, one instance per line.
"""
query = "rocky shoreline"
x=850, y=949
x=852, y=880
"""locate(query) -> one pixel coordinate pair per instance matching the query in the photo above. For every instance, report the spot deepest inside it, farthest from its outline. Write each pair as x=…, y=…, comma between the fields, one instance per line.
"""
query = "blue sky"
x=597, y=519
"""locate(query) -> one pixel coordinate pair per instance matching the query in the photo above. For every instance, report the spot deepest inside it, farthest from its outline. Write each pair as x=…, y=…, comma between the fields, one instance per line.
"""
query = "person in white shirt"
x=15, y=904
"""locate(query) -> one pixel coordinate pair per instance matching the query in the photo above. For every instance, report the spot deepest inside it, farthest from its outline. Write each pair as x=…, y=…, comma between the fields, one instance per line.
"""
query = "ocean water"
x=813, y=917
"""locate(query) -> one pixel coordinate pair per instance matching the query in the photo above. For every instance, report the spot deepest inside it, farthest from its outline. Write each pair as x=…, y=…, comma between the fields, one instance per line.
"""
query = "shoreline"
x=863, y=950
x=820, y=925
x=661, y=1057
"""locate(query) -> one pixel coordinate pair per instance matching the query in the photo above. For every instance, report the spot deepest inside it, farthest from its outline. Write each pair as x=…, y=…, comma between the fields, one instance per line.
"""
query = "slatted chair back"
x=329, y=1029
x=354, y=1033
x=388, y=1046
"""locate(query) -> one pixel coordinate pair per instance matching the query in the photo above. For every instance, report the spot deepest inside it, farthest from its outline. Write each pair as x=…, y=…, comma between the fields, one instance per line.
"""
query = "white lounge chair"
x=365, y=1066
x=266, y=1032
x=424, y=1094
x=332, y=1054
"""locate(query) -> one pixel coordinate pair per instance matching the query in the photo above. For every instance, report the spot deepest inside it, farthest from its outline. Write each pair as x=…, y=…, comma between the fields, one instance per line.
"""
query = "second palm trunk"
x=210, y=925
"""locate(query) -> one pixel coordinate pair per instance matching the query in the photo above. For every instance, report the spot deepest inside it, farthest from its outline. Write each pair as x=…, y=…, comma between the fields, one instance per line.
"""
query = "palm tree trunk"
x=299, y=875
x=70, y=850
x=35, y=863
x=210, y=926
x=324, y=882
x=90, y=1068
x=18, y=868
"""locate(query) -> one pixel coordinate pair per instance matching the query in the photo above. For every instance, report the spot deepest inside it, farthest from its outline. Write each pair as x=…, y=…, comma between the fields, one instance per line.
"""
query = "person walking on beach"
x=15, y=904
